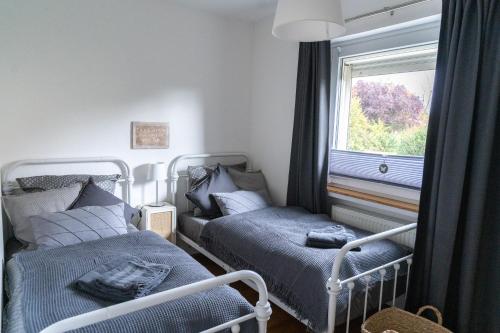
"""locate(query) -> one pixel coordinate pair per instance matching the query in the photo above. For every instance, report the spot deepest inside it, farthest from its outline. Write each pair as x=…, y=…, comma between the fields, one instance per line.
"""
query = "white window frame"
x=419, y=34
x=347, y=63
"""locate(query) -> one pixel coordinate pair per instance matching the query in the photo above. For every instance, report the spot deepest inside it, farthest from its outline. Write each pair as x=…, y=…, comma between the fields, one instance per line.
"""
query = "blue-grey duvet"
x=40, y=293
x=271, y=241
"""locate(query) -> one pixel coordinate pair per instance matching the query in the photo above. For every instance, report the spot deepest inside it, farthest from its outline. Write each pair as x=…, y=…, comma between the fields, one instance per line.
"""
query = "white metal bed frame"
x=262, y=310
x=334, y=285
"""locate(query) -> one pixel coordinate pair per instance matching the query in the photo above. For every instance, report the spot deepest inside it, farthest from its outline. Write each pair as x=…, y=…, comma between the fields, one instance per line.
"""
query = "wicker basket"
x=395, y=320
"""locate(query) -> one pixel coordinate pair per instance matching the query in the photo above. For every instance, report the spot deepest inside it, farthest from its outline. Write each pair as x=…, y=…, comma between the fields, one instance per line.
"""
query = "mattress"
x=192, y=226
x=40, y=289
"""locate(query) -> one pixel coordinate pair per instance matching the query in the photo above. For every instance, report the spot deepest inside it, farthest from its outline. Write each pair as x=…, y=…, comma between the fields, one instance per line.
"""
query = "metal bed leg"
x=333, y=289
x=263, y=313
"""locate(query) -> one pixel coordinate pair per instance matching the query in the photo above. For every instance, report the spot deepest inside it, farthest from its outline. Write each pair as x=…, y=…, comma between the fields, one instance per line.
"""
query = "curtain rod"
x=385, y=10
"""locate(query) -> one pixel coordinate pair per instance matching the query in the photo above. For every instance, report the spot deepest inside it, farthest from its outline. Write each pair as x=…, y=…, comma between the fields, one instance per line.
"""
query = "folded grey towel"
x=332, y=237
x=123, y=279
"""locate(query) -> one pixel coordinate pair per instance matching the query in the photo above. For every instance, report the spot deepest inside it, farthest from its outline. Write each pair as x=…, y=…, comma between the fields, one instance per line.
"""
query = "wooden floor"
x=280, y=322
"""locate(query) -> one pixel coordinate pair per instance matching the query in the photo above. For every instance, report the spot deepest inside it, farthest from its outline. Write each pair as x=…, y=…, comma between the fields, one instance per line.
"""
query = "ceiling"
x=253, y=10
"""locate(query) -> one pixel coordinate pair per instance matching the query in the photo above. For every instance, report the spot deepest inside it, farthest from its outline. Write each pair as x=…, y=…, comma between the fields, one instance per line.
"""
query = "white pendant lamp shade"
x=308, y=20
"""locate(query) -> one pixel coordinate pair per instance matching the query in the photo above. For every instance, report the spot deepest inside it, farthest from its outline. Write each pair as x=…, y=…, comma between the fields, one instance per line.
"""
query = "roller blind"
x=390, y=64
x=396, y=170
x=393, y=62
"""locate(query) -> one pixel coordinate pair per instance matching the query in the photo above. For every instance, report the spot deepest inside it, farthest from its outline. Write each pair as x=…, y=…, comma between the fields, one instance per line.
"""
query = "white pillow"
x=20, y=207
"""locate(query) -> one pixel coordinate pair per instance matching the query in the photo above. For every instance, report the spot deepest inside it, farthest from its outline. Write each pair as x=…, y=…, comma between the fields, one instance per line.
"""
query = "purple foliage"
x=392, y=104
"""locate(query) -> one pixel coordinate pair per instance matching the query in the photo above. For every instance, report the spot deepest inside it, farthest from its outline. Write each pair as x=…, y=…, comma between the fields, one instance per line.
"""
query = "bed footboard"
x=334, y=285
x=261, y=313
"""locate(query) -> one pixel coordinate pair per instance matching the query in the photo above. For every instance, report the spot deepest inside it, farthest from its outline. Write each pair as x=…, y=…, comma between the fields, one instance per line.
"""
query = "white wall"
x=74, y=74
x=272, y=106
x=273, y=91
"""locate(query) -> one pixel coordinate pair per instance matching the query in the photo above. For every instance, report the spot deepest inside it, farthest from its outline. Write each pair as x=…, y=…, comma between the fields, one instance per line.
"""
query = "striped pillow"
x=241, y=201
x=78, y=225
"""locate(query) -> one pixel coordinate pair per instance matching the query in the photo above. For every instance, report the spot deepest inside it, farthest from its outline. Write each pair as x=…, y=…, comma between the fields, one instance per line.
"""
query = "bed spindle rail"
x=334, y=285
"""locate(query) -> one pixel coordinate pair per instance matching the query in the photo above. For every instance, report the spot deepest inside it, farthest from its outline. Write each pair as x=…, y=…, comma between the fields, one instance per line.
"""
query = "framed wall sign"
x=150, y=135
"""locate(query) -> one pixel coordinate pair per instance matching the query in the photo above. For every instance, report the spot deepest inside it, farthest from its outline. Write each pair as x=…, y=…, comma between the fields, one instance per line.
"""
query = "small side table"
x=162, y=220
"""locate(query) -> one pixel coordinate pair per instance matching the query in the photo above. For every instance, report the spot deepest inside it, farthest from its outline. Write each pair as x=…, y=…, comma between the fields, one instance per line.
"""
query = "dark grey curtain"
x=457, y=256
x=307, y=179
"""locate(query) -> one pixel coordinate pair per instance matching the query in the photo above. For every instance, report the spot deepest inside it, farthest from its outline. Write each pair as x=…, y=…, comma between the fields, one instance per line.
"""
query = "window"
x=382, y=115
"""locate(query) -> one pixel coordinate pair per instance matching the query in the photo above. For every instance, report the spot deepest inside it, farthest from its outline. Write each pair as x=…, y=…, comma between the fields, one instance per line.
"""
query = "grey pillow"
x=49, y=182
x=93, y=195
x=198, y=173
x=78, y=225
x=219, y=181
x=249, y=181
x=20, y=207
x=241, y=201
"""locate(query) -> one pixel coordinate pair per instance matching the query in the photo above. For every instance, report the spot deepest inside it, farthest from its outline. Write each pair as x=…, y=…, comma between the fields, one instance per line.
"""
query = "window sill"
x=387, y=195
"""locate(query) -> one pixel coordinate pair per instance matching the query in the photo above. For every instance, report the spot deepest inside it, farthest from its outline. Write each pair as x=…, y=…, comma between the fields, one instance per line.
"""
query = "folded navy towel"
x=123, y=279
x=332, y=237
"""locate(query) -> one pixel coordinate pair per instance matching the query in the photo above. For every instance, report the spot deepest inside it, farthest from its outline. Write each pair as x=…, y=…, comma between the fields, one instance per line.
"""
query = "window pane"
x=382, y=115
x=389, y=113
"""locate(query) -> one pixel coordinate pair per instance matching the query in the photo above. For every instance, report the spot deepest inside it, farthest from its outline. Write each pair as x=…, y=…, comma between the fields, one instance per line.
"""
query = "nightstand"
x=162, y=220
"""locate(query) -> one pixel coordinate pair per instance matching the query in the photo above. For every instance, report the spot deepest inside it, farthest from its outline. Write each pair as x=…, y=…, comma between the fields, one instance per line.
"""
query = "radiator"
x=374, y=224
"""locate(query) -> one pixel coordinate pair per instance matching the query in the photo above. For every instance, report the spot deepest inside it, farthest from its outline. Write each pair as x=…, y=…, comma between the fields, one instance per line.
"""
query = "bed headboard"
x=178, y=180
x=62, y=166
x=54, y=166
